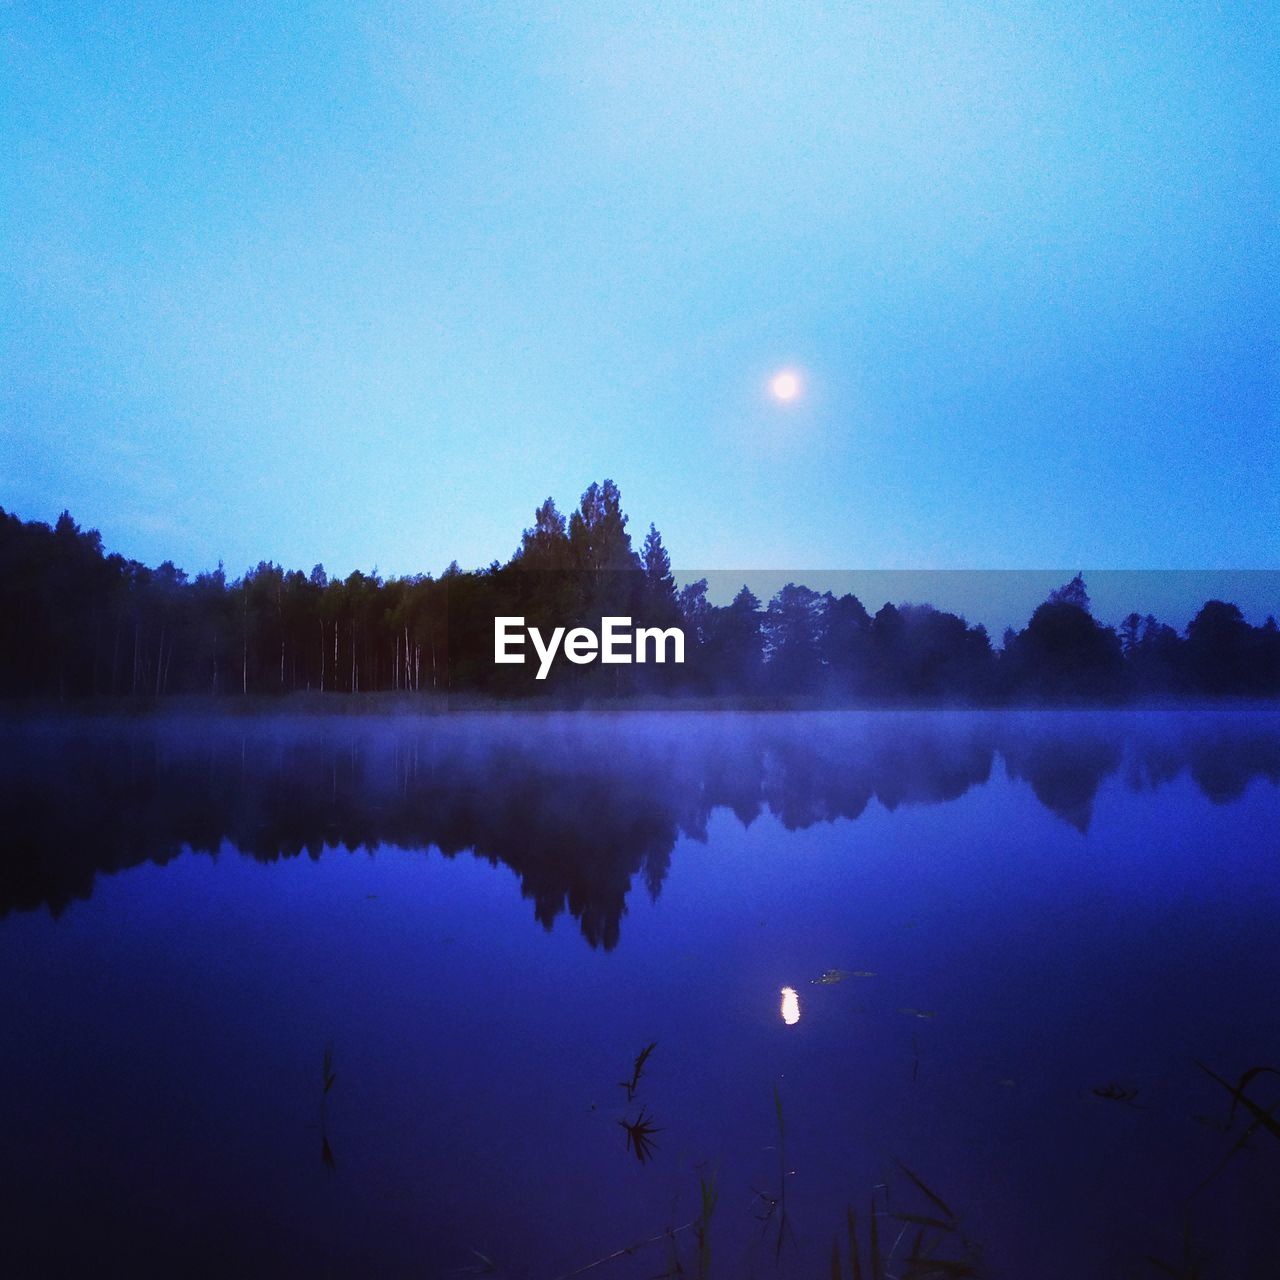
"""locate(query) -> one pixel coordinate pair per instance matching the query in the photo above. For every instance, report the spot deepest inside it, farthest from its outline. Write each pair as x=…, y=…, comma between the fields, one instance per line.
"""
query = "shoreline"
x=434, y=706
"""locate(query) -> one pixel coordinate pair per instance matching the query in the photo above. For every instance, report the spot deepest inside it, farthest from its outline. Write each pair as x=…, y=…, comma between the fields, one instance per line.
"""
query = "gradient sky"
x=363, y=283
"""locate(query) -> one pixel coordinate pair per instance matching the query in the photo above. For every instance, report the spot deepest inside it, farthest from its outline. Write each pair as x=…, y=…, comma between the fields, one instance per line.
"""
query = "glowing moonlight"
x=785, y=386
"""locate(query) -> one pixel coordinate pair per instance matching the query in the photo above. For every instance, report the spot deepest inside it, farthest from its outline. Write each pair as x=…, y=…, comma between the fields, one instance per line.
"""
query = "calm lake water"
x=471, y=926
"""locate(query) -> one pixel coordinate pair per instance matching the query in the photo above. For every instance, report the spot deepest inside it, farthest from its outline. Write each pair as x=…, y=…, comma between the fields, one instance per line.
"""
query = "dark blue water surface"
x=472, y=925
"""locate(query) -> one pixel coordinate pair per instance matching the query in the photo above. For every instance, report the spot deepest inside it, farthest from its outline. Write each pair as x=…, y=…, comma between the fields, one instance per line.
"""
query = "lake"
x=361, y=996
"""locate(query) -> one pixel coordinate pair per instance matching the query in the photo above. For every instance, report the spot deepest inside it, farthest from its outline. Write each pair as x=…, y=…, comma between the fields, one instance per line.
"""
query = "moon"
x=784, y=386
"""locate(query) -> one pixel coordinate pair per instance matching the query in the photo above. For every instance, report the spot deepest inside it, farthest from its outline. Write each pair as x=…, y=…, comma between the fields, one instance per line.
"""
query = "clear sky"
x=363, y=283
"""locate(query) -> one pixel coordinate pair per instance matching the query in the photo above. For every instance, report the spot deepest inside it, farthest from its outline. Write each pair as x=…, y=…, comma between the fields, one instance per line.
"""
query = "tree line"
x=77, y=621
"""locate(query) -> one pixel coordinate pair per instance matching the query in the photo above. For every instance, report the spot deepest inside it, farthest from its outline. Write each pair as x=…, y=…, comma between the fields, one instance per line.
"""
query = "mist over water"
x=358, y=993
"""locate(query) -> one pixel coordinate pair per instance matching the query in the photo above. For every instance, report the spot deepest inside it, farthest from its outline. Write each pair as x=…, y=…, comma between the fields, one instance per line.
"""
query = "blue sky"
x=364, y=283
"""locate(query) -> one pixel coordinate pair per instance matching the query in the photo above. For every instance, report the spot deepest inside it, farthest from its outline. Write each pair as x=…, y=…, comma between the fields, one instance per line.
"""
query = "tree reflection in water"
x=577, y=806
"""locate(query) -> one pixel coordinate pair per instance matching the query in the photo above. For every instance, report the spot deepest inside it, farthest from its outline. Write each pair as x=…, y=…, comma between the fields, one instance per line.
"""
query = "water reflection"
x=1016, y=936
x=578, y=807
x=790, y=1006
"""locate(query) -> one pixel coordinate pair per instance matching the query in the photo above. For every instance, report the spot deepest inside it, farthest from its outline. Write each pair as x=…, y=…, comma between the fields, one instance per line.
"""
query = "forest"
x=78, y=622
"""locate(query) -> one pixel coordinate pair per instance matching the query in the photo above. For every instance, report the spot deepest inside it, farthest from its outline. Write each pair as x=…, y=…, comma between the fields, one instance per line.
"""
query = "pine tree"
x=546, y=544
x=598, y=531
x=659, y=585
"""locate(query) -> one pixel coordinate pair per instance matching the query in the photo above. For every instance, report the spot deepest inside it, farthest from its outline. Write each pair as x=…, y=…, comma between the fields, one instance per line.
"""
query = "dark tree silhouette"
x=733, y=659
x=77, y=622
x=1065, y=653
x=659, y=585
x=546, y=544
x=793, y=630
